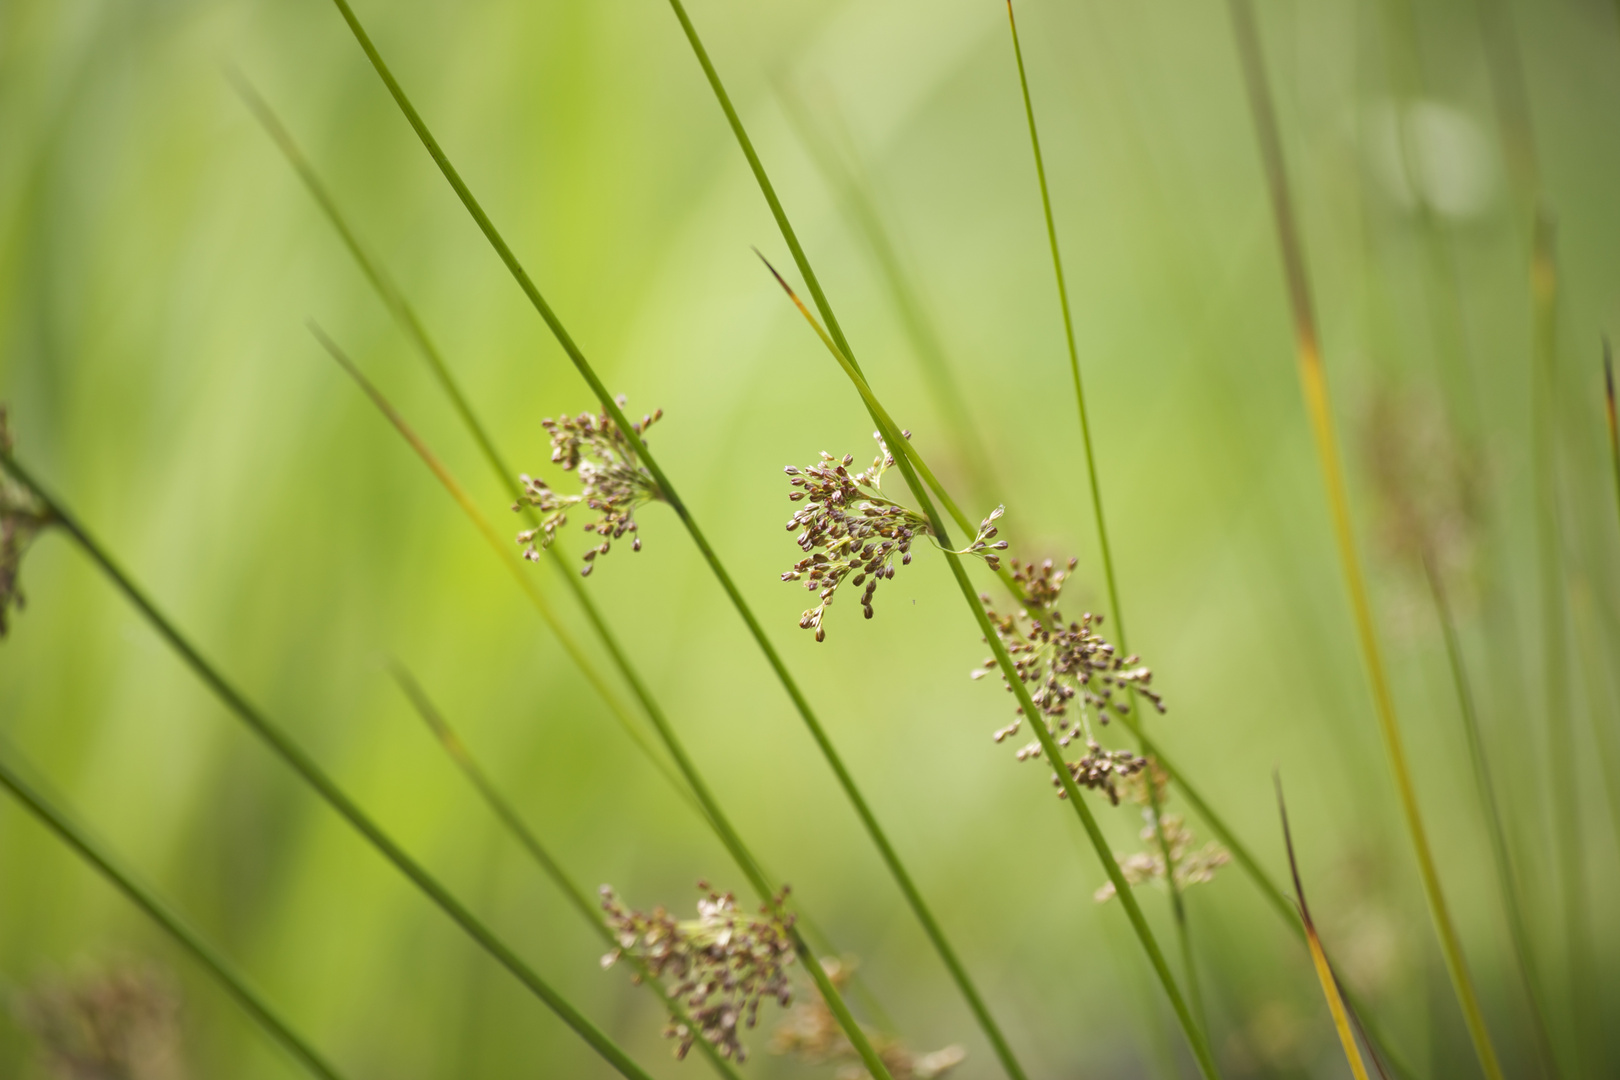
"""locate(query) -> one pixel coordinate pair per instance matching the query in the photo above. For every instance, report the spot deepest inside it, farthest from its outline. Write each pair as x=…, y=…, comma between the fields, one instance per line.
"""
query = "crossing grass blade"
x=52, y=815
x=1313, y=380
x=283, y=746
x=1324, y=973
x=513, y=822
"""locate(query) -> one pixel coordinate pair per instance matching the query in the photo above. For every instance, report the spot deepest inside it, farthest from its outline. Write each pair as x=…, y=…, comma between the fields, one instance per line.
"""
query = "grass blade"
x=304, y=766
x=1324, y=973
x=1313, y=379
x=893, y=435
x=1609, y=414
x=54, y=818
x=1178, y=905
x=514, y=824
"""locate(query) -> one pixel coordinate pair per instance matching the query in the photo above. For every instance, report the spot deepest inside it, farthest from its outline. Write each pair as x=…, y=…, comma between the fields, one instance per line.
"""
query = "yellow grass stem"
x=1313, y=383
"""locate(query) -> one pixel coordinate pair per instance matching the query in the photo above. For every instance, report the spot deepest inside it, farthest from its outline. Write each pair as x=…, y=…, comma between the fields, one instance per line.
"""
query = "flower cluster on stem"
x=122, y=1023
x=811, y=1033
x=22, y=516
x=1187, y=866
x=848, y=529
x=1076, y=679
x=613, y=483
x=719, y=966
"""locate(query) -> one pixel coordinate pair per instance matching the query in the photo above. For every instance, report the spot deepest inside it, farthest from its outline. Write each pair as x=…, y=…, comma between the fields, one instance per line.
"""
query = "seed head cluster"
x=613, y=483
x=1191, y=867
x=719, y=966
x=811, y=1033
x=123, y=1023
x=22, y=516
x=1068, y=668
x=848, y=529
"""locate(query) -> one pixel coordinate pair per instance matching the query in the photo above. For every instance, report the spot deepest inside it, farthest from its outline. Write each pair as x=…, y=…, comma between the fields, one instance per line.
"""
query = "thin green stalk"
x=1177, y=904
x=695, y=787
x=1313, y=379
x=1071, y=791
x=1501, y=854
x=1554, y=640
x=79, y=839
x=1614, y=423
x=508, y=816
x=854, y=190
x=405, y=315
x=302, y=764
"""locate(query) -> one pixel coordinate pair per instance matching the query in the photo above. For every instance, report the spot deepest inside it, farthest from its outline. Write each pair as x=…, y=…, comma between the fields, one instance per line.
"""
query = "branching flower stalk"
x=1049, y=745
x=51, y=814
x=22, y=518
x=316, y=778
x=719, y=966
x=809, y=1033
x=613, y=481
x=849, y=527
x=1313, y=380
x=508, y=816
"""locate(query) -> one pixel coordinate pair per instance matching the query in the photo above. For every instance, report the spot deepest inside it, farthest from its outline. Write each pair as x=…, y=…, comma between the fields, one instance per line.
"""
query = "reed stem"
x=1501, y=854
x=514, y=824
x=894, y=436
x=57, y=820
x=304, y=766
x=1177, y=903
x=1313, y=379
x=1609, y=415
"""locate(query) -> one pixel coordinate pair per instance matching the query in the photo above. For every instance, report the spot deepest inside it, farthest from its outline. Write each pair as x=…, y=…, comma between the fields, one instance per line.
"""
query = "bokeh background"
x=158, y=260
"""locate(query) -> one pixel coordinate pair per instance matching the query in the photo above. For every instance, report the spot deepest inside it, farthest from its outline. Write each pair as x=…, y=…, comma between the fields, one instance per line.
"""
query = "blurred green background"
x=158, y=260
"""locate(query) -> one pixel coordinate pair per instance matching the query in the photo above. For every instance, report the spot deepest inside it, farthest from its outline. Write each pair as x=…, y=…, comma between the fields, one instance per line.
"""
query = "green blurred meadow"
x=158, y=260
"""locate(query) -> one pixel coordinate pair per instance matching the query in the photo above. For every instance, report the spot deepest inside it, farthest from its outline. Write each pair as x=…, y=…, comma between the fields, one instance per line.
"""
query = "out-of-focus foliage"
x=158, y=260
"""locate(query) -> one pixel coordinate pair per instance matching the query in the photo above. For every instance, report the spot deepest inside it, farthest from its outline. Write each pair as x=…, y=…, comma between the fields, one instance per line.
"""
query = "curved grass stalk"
x=304, y=766
x=1324, y=972
x=1178, y=905
x=508, y=816
x=1609, y=415
x=1054, y=756
x=57, y=820
x=1313, y=379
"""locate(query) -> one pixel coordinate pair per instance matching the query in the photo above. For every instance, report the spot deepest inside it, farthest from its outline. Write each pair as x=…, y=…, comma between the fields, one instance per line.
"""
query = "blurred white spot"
x=1432, y=151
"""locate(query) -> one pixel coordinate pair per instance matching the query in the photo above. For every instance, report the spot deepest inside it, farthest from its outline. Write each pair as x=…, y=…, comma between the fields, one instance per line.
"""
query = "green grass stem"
x=507, y=814
x=893, y=435
x=1613, y=421
x=1564, y=785
x=304, y=766
x=1115, y=608
x=75, y=836
x=1313, y=379
x=1496, y=830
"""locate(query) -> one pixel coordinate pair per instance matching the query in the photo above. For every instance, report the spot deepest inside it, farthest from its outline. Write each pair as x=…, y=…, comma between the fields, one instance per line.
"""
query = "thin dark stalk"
x=304, y=766
x=1324, y=971
x=508, y=816
x=1178, y=906
x=893, y=436
x=697, y=786
x=1501, y=854
x=1313, y=379
x=1554, y=639
x=79, y=839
